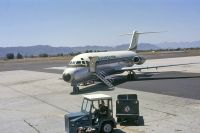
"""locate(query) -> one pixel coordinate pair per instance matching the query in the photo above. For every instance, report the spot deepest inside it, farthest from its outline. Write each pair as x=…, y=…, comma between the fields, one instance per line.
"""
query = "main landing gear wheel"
x=107, y=127
x=131, y=75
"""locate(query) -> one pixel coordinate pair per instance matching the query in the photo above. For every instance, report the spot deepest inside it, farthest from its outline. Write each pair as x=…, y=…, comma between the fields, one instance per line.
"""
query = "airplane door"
x=92, y=64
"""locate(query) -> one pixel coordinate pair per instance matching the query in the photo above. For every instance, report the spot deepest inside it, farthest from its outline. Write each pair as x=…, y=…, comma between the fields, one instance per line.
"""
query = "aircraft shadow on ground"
x=94, y=88
x=118, y=131
x=120, y=79
x=154, y=76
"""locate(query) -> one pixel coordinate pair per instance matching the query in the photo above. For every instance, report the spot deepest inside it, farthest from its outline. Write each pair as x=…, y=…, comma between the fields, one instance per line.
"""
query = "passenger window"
x=83, y=62
x=78, y=62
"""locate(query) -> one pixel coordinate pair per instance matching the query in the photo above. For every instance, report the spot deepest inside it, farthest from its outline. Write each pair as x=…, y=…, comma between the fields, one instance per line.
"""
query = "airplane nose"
x=66, y=77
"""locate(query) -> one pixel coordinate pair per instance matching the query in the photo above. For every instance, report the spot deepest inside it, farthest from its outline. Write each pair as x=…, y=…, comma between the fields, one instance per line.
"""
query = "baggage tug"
x=96, y=115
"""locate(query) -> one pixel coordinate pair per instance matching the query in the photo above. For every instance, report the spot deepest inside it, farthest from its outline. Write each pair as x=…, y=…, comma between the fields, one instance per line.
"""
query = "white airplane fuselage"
x=99, y=65
x=79, y=70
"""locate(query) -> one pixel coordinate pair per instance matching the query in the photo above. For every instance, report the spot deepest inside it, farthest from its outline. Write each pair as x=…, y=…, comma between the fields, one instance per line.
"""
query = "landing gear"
x=131, y=75
x=75, y=87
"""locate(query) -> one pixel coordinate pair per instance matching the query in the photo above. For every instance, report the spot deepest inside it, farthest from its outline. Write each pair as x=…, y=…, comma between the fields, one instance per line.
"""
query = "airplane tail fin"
x=134, y=40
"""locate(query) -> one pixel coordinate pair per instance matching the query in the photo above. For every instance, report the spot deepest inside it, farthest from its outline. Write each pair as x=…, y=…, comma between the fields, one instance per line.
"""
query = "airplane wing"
x=141, y=67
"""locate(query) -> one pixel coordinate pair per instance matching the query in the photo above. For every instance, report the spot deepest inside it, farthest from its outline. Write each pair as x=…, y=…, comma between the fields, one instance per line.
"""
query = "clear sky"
x=96, y=22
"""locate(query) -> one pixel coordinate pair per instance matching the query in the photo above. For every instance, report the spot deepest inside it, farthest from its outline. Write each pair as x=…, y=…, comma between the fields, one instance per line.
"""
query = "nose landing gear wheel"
x=75, y=87
x=75, y=90
x=131, y=75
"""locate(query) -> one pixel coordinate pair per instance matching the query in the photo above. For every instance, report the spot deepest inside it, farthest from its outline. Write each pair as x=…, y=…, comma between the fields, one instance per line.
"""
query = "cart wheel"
x=137, y=122
x=118, y=119
x=140, y=121
x=106, y=127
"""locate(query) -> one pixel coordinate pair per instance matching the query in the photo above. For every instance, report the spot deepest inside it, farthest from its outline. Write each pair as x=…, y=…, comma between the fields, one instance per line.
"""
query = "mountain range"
x=39, y=49
x=174, y=45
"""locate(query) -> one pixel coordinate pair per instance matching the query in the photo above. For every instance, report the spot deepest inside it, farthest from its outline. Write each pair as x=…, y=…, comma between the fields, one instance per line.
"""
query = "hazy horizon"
x=106, y=45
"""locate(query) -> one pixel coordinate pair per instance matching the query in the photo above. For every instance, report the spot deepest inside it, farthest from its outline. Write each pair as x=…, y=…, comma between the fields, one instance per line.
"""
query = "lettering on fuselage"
x=112, y=59
x=106, y=58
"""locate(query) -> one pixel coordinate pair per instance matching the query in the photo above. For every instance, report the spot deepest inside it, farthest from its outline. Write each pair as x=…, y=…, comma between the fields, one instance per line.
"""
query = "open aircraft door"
x=92, y=64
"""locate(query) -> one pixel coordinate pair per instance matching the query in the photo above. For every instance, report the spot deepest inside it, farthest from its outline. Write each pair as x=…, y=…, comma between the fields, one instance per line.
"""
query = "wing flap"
x=141, y=67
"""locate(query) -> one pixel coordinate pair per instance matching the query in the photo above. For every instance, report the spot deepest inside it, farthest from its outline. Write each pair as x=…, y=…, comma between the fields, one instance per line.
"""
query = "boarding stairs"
x=103, y=76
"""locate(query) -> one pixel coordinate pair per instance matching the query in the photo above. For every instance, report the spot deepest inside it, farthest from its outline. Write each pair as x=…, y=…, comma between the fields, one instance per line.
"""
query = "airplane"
x=87, y=67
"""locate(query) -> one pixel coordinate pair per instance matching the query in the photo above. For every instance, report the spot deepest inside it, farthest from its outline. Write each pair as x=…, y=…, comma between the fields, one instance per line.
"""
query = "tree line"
x=20, y=56
x=12, y=56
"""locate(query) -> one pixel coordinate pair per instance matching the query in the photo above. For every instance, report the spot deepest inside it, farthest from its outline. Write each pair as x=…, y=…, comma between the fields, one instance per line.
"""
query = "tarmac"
x=35, y=100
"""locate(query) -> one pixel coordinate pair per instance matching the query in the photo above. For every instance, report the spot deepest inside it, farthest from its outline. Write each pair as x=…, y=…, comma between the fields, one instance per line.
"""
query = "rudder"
x=134, y=41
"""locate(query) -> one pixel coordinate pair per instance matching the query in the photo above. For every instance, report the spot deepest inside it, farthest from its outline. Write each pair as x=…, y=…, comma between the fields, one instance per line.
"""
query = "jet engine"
x=139, y=60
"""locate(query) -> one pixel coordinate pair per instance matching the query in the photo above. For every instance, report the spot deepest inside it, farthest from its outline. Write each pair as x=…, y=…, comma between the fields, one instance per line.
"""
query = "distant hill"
x=84, y=48
x=141, y=46
x=174, y=45
x=39, y=49
x=147, y=46
x=34, y=50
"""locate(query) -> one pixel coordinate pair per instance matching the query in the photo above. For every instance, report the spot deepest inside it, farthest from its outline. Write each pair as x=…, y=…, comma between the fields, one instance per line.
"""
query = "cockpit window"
x=83, y=62
x=71, y=62
x=80, y=63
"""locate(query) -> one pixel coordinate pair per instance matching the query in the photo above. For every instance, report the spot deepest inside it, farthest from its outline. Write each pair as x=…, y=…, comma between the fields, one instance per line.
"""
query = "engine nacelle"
x=139, y=60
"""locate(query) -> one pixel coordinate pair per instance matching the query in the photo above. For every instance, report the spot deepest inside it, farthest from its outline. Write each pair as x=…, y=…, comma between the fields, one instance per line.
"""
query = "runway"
x=34, y=99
